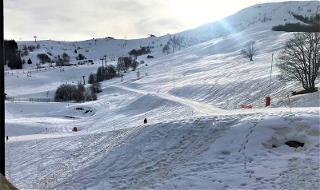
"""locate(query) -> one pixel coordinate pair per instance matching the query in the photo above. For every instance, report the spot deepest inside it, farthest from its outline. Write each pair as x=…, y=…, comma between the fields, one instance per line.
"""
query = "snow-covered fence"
x=21, y=99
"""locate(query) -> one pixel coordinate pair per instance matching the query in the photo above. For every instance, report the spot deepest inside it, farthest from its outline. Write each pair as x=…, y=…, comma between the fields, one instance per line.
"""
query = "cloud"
x=85, y=19
x=82, y=19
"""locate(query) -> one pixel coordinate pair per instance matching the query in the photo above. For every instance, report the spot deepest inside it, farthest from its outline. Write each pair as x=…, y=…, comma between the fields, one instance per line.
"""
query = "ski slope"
x=197, y=137
x=220, y=152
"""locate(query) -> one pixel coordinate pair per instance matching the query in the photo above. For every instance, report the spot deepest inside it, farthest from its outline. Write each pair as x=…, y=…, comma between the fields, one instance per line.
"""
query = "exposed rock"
x=294, y=144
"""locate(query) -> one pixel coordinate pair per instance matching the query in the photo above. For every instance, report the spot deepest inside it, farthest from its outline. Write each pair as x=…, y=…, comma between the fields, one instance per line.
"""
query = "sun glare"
x=201, y=11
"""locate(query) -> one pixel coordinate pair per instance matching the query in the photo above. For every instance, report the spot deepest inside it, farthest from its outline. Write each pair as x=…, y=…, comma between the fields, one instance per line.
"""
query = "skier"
x=7, y=138
x=145, y=121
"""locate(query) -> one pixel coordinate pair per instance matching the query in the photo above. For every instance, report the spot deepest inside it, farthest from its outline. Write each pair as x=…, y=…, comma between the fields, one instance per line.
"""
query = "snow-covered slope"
x=270, y=14
x=237, y=151
x=197, y=137
x=213, y=72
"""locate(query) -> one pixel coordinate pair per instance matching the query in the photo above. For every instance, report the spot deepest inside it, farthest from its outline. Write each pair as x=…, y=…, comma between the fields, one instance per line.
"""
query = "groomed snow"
x=217, y=152
x=197, y=137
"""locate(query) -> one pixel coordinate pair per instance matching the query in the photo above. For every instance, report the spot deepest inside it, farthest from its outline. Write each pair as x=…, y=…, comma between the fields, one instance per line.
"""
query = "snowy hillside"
x=218, y=152
x=270, y=14
x=197, y=137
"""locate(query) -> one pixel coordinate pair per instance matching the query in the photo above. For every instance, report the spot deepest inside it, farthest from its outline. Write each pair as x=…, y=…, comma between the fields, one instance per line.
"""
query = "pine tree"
x=12, y=56
x=92, y=78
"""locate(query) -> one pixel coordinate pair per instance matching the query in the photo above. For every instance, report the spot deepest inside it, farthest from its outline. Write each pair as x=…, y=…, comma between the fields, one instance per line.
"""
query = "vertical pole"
x=2, y=100
x=271, y=69
x=289, y=102
x=105, y=60
x=268, y=98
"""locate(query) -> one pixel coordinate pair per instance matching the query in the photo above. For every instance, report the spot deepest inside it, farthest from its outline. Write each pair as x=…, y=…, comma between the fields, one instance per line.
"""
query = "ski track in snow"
x=198, y=107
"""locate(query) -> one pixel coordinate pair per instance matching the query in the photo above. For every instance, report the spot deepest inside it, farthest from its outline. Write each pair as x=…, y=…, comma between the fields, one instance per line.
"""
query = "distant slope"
x=261, y=14
x=269, y=14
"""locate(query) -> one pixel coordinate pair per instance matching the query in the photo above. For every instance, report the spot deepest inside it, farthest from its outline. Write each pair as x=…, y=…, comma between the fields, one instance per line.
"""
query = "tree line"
x=311, y=24
x=12, y=55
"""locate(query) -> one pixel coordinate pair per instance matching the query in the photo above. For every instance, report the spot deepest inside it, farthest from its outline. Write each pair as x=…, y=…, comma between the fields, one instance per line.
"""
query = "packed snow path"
x=196, y=106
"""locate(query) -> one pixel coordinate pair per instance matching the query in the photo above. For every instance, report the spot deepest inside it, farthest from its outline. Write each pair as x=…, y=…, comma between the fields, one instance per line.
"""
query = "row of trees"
x=78, y=93
x=125, y=63
x=311, y=24
x=44, y=58
x=138, y=52
x=103, y=73
x=63, y=60
x=296, y=27
x=174, y=43
x=311, y=20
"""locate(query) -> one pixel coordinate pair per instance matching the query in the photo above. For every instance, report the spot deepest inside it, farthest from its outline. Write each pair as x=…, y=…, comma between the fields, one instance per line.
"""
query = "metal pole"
x=271, y=69
x=105, y=60
x=101, y=61
x=2, y=100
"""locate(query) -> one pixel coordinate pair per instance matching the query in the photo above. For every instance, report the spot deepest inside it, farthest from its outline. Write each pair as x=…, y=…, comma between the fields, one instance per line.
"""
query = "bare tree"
x=250, y=51
x=300, y=59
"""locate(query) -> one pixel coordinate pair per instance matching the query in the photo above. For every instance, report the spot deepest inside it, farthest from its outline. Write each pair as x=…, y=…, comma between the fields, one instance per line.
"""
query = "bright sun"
x=199, y=11
x=196, y=12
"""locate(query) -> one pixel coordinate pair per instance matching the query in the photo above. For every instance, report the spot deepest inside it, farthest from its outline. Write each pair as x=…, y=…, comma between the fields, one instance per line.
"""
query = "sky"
x=73, y=20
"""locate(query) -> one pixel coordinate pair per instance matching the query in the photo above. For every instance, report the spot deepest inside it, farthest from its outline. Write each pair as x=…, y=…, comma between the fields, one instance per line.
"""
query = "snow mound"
x=300, y=130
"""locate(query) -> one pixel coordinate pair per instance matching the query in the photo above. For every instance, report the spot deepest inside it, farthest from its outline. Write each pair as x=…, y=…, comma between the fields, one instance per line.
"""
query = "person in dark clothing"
x=7, y=138
x=145, y=121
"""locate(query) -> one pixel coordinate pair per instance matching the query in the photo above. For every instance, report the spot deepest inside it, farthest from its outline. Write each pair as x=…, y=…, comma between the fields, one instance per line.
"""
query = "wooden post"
x=268, y=101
